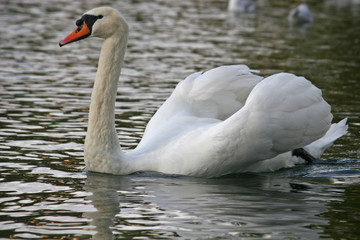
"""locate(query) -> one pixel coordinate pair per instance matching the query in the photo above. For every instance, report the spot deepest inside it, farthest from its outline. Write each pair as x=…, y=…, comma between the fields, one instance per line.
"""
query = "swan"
x=243, y=6
x=222, y=121
x=300, y=15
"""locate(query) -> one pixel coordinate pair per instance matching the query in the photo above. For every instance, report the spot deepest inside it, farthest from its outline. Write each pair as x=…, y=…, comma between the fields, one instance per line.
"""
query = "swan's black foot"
x=302, y=153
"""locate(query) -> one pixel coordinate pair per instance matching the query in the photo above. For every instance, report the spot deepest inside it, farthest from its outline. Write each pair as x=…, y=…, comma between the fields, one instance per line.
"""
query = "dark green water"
x=44, y=99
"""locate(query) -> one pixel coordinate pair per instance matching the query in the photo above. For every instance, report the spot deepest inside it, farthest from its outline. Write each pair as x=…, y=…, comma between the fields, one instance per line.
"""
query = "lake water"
x=44, y=99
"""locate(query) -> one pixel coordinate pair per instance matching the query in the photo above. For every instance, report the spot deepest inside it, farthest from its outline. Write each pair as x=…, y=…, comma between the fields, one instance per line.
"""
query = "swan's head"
x=102, y=22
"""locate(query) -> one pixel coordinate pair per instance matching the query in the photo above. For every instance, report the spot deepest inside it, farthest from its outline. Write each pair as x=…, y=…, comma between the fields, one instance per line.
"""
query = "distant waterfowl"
x=301, y=15
x=225, y=120
x=244, y=6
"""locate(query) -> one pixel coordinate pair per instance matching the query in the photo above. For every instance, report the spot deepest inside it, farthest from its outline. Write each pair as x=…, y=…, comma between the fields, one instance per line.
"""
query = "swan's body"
x=300, y=15
x=226, y=120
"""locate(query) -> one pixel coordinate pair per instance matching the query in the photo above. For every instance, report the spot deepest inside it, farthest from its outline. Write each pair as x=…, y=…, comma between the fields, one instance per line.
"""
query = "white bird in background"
x=300, y=15
x=243, y=6
x=225, y=120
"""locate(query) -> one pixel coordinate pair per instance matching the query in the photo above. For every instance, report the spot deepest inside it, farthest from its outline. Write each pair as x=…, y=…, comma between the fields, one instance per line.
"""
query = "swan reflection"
x=156, y=205
x=105, y=199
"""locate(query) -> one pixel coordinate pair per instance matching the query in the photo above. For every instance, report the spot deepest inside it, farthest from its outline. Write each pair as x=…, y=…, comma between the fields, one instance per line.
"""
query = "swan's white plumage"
x=225, y=120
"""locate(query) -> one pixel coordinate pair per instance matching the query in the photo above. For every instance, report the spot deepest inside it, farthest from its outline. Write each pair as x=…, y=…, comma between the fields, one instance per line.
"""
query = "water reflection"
x=246, y=206
x=105, y=199
x=341, y=222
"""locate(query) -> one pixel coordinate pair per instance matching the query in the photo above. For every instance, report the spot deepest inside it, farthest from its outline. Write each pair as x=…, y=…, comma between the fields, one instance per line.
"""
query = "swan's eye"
x=100, y=16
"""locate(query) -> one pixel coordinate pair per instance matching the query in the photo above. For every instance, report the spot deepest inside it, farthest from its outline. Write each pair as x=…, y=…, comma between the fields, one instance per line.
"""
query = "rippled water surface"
x=45, y=96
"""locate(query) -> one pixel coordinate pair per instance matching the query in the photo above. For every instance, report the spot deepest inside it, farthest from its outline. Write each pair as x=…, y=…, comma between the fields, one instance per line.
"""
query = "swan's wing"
x=282, y=113
x=217, y=93
x=200, y=99
x=220, y=92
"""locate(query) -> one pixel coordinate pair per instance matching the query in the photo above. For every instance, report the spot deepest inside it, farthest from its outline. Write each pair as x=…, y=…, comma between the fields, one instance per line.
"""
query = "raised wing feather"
x=215, y=94
x=222, y=91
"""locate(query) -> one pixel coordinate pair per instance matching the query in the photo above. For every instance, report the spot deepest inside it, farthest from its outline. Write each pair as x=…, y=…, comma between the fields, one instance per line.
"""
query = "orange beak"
x=81, y=32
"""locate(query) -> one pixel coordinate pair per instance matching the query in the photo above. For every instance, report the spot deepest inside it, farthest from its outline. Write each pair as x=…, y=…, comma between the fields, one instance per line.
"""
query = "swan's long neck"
x=102, y=148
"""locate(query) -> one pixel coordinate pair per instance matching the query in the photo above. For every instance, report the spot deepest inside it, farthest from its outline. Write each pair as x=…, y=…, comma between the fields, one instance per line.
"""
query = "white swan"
x=243, y=6
x=300, y=15
x=226, y=120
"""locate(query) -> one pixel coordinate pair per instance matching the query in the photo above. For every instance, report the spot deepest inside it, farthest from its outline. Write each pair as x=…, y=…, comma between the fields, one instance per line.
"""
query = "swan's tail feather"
x=336, y=130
